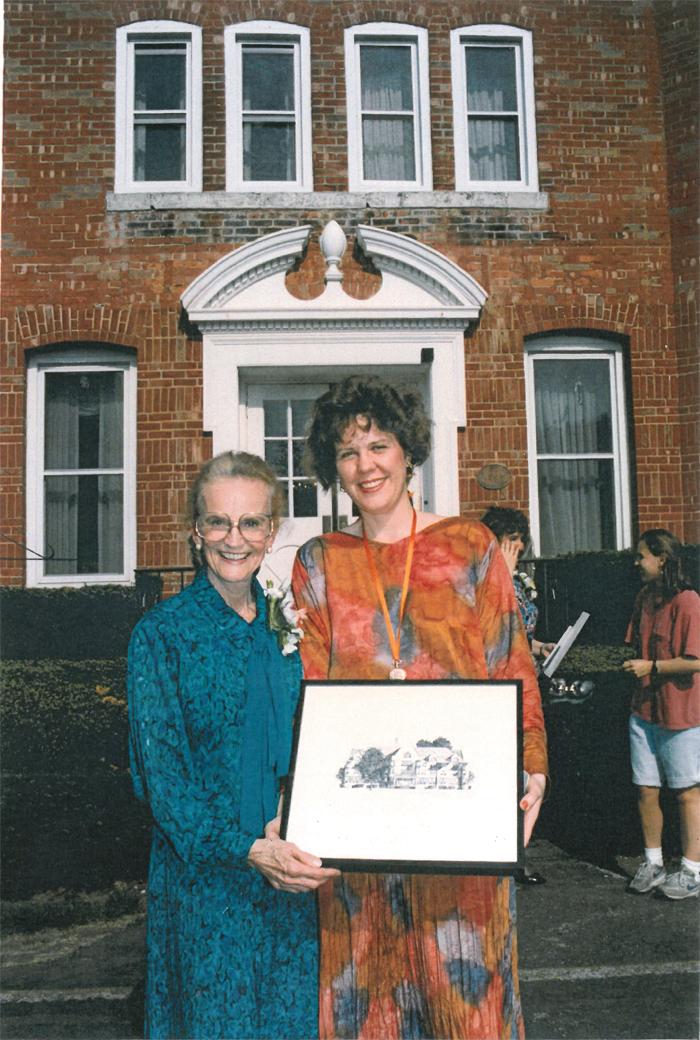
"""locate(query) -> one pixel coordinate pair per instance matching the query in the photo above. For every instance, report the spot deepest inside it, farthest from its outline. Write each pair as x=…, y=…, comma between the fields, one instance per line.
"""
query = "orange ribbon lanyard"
x=394, y=640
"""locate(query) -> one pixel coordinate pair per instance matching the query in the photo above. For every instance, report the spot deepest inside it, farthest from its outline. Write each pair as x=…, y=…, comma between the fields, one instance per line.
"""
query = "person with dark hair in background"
x=665, y=720
x=512, y=530
x=407, y=595
x=214, y=678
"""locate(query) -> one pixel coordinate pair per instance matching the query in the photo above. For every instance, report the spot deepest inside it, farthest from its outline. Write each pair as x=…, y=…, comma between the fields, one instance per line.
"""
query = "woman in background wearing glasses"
x=232, y=943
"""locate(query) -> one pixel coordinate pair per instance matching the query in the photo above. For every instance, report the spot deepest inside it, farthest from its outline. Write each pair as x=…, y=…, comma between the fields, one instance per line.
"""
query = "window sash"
x=579, y=478
x=81, y=477
x=495, y=137
x=390, y=133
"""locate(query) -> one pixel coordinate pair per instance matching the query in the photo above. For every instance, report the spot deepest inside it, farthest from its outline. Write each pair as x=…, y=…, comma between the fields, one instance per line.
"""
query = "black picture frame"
x=408, y=777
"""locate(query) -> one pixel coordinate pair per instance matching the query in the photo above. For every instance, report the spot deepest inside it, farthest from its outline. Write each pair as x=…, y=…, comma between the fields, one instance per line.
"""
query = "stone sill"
x=326, y=200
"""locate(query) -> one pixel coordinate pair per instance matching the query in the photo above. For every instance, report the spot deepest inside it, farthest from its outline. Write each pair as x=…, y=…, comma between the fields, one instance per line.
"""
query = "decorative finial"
x=333, y=245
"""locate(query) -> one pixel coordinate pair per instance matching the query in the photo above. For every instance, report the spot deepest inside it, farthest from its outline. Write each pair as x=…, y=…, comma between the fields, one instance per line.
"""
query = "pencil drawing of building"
x=426, y=764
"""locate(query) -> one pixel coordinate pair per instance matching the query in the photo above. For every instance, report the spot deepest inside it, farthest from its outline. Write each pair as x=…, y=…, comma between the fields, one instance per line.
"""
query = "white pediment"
x=419, y=284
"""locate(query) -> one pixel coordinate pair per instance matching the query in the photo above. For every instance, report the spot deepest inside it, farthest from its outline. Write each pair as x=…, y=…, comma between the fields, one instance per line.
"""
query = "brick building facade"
x=537, y=160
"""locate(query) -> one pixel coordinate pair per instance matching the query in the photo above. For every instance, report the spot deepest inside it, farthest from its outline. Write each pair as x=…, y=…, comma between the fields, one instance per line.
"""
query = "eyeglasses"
x=254, y=527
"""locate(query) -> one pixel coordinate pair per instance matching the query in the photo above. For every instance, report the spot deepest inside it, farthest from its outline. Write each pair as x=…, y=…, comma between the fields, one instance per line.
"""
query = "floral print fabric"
x=419, y=955
x=228, y=956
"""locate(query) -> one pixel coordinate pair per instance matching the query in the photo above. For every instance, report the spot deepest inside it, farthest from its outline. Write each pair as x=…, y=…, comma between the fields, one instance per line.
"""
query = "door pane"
x=305, y=498
x=276, y=457
x=275, y=418
x=573, y=405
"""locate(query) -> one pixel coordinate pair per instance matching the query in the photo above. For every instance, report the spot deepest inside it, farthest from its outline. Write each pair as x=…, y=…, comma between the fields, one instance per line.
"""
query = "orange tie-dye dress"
x=418, y=955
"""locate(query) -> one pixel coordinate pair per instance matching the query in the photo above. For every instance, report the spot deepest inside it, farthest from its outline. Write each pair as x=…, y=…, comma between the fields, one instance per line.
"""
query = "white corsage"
x=528, y=585
x=283, y=617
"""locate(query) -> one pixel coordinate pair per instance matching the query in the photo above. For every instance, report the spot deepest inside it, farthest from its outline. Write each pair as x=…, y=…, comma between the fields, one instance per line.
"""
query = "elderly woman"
x=410, y=595
x=232, y=940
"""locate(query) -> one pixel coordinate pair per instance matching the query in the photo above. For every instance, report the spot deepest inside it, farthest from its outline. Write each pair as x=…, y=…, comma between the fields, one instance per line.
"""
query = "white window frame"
x=157, y=31
x=563, y=347
x=77, y=360
x=235, y=39
x=490, y=36
x=387, y=33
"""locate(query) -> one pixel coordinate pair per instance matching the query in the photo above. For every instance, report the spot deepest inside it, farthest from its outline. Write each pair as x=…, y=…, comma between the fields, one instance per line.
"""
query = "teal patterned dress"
x=211, y=702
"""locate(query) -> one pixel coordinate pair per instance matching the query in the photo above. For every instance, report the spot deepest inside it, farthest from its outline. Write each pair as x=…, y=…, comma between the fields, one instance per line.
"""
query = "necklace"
x=397, y=672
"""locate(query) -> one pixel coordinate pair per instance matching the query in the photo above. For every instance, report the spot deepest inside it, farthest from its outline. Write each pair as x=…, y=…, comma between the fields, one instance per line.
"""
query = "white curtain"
x=493, y=150
x=573, y=417
x=84, y=430
x=388, y=149
x=388, y=141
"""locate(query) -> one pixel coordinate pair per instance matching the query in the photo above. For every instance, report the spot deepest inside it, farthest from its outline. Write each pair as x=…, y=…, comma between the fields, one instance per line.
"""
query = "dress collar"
x=213, y=604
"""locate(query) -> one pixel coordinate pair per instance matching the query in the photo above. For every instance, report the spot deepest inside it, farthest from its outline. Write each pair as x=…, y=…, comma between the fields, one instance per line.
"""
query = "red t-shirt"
x=674, y=629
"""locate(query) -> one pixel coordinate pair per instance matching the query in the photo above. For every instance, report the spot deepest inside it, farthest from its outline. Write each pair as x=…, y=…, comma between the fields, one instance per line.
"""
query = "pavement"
x=596, y=963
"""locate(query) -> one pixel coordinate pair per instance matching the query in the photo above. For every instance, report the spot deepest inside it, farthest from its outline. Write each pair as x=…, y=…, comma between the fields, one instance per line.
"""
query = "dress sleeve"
x=309, y=587
x=508, y=651
x=197, y=818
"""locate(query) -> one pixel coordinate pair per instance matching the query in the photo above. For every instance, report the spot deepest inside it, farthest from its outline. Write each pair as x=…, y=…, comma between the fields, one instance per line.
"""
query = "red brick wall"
x=612, y=253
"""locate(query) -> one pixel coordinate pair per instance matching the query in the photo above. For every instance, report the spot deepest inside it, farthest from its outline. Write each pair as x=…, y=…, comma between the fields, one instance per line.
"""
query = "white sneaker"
x=648, y=876
x=681, y=885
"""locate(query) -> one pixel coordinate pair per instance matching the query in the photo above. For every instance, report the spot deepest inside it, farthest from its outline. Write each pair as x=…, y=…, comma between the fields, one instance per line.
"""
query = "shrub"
x=91, y=622
x=69, y=816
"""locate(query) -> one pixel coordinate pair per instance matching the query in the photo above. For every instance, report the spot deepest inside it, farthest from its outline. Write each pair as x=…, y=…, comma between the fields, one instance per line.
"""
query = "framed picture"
x=408, y=777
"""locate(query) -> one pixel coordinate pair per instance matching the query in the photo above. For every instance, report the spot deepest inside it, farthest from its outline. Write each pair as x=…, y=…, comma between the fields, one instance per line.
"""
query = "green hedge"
x=604, y=584
x=69, y=816
x=87, y=623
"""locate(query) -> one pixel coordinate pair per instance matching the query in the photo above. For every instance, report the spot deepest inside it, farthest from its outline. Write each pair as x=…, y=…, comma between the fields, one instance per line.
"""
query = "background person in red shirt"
x=665, y=722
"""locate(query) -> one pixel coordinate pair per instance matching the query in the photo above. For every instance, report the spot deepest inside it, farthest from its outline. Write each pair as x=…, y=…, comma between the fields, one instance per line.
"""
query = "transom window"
x=494, y=111
x=268, y=107
x=158, y=108
x=579, y=479
x=81, y=470
x=388, y=107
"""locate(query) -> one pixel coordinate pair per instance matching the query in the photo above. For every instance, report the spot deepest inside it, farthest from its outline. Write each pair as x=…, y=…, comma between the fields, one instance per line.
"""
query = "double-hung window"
x=577, y=444
x=81, y=458
x=158, y=107
x=388, y=106
x=494, y=109
x=268, y=107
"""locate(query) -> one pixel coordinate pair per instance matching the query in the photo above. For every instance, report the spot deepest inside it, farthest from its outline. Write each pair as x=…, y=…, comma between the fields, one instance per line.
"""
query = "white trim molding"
x=415, y=41
x=255, y=331
x=159, y=33
x=291, y=40
x=519, y=42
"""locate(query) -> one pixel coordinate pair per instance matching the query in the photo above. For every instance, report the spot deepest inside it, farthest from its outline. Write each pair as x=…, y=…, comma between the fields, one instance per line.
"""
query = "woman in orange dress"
x=416, y=955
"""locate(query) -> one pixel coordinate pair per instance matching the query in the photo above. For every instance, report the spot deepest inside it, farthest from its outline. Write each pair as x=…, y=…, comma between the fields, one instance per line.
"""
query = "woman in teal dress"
x=213, y=685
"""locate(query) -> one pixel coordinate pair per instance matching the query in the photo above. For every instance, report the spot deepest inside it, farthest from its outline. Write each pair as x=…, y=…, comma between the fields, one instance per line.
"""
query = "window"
x=577, y=440
x=388, y=107
x=81, y=467
x=158, y=107
x=494, y=109
x=268, y=107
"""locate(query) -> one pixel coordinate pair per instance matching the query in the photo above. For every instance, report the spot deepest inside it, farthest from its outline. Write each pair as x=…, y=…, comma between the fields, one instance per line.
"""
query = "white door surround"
x=254, y=330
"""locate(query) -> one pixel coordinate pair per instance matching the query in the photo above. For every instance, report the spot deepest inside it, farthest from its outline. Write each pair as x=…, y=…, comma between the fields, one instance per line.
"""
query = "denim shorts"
x=660, y=754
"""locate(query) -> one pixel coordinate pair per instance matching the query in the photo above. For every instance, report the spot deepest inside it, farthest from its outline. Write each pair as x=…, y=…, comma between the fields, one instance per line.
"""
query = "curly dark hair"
x=228, y=464
x=397, y=410
x=503, y=521
x=671, y=580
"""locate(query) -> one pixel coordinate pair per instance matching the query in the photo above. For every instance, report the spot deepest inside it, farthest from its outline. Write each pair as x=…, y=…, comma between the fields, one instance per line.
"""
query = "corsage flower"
x=283, y=617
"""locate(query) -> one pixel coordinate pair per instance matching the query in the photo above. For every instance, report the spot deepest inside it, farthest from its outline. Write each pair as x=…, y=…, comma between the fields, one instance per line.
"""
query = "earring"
x=410, y=470
x=268, y=550
x=198, y=546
